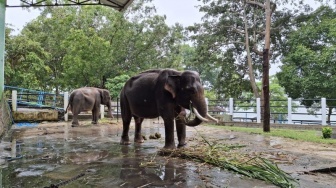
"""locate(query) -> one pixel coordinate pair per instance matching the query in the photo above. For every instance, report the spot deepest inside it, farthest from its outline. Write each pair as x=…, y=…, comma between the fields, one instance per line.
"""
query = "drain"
x=324, y=170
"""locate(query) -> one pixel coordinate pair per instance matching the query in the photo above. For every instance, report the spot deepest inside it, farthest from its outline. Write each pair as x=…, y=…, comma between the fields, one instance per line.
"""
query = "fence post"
x=289, y=110
x=102, y=111
x=14, y=100
x=323, y=110
x=66, y=101
x=231, y=107
x=258, y=111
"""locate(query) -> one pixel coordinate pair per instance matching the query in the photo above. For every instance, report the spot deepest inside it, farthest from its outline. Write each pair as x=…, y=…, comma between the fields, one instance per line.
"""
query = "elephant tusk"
x=212, y=118
x=199, y=115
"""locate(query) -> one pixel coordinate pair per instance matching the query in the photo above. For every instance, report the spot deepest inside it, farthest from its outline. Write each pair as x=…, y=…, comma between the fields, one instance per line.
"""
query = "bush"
x=326, y=132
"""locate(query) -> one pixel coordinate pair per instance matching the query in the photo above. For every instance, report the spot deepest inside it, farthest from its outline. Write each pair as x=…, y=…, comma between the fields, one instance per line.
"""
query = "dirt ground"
x=297, y=158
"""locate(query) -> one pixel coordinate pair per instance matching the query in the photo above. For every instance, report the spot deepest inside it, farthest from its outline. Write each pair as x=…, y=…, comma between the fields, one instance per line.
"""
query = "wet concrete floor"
x=91, y=156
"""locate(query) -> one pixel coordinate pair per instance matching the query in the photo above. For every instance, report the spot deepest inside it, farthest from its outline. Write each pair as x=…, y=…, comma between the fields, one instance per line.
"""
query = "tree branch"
x=234, y=29
x=255, y=3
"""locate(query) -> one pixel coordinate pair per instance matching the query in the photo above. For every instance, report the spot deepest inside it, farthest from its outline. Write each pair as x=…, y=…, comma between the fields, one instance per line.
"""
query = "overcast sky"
x=182, y=11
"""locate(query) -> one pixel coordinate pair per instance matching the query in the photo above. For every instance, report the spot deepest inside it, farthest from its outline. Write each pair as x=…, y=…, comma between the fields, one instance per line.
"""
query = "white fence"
x=252, y=112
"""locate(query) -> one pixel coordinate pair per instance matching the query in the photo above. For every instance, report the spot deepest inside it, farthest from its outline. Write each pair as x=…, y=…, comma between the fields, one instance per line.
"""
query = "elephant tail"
x=66, y=110
x=70, y=101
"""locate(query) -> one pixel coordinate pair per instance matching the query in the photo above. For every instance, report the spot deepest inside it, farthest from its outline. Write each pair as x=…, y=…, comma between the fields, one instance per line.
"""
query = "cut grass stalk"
x=226, y=158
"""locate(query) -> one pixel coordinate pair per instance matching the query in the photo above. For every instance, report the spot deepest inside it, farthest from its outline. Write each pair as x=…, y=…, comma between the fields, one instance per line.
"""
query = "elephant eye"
x=191, y=90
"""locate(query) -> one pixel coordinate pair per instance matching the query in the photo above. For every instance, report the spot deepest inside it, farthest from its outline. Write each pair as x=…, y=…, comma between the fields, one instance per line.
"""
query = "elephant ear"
x=172, y=84
x=103, y=95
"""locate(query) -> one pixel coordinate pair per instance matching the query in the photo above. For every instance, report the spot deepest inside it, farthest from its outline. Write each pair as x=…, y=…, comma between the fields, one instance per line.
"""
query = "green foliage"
x=326, y=132
x=211, y=95
x=114, y=85
x=278, y=100
x=70, y=47
x=308, y=70
x=25, y=62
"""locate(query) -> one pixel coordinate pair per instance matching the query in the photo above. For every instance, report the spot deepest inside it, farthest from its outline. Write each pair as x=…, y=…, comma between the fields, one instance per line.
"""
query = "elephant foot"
x=94, y=122
x=169, y=146
x=74, y=125
x=139, y=140
x=125, y=141
x=181, y=145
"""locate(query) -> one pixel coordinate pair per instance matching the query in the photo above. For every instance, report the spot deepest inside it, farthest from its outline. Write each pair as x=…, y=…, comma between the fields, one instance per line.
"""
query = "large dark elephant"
x=166, y=93
x=88, y=99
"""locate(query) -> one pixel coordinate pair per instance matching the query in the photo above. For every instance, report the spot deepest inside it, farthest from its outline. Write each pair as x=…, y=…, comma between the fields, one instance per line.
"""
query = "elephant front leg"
x=95, y=115
x=181, y=129
x=181, y=132
x=138, y=136
x=169, y=134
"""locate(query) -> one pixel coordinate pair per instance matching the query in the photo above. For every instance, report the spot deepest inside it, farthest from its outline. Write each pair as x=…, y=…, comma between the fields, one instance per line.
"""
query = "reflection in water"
x=135, y=172
x=13, y=148
x=16, y=150
x=1, y=178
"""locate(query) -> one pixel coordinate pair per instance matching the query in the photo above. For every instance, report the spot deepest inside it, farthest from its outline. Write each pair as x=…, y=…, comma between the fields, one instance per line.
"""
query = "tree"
x=278, y=100
x=309, y=63
x=239, y=26
x=85, y=46
x=24, y=62
x=115, y=85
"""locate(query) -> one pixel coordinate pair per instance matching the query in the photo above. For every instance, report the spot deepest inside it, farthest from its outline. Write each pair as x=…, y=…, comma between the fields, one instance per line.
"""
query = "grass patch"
x=304, y=135
x=226, y=157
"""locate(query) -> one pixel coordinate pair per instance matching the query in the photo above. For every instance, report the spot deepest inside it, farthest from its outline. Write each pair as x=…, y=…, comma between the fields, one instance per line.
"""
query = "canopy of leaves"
x=114, y=85
x=70, y=47
x=232, y=35
x=308, y=69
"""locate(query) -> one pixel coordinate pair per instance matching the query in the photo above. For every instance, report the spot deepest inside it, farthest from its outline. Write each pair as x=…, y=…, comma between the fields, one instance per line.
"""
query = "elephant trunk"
x=109, y=107
x=200, y=109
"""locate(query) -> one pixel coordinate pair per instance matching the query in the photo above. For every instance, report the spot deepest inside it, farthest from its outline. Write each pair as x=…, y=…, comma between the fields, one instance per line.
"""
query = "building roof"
x=119, y=5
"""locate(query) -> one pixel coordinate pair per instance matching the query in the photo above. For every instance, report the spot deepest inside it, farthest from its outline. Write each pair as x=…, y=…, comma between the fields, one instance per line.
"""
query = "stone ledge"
x=40, y=115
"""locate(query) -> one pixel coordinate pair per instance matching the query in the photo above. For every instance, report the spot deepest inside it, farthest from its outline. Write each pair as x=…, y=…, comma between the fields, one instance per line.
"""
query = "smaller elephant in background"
x=88, y=99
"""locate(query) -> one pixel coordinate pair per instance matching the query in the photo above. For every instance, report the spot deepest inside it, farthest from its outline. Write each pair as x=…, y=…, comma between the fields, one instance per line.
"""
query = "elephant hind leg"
x=126, y=118
x=75, y=113
x=138, y=136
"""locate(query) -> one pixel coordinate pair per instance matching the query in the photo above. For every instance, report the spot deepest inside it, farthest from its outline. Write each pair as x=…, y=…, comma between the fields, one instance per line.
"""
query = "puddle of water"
x=52, y=159
x=26, y=124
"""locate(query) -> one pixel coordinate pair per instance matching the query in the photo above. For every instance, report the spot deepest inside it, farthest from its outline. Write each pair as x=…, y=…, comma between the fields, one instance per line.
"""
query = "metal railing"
x=35, y=99
x=248, y=110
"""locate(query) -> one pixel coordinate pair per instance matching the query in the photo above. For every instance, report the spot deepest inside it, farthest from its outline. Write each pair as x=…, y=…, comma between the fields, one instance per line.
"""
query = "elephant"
x=88, y=98
x=166, y=93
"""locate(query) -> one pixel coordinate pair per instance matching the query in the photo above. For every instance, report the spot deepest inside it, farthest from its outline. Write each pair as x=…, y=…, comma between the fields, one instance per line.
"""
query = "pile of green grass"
x=225, y=157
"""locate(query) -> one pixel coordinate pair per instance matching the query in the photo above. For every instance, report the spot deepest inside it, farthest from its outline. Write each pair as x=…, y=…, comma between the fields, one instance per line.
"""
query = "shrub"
x=326, y=132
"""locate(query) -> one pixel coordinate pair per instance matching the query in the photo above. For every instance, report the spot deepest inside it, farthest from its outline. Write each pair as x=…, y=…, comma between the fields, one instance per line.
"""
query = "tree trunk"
x=249, y=60
x=329, y=114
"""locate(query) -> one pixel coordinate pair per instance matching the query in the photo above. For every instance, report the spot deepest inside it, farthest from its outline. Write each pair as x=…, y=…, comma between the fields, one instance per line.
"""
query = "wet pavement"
x=91, y=156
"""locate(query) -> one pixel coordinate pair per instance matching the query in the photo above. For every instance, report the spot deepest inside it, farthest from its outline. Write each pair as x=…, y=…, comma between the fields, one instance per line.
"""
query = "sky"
x=181, y=11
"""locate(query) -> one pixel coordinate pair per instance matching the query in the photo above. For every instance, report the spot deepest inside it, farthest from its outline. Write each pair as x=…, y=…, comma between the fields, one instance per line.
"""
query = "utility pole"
x=265, y=80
